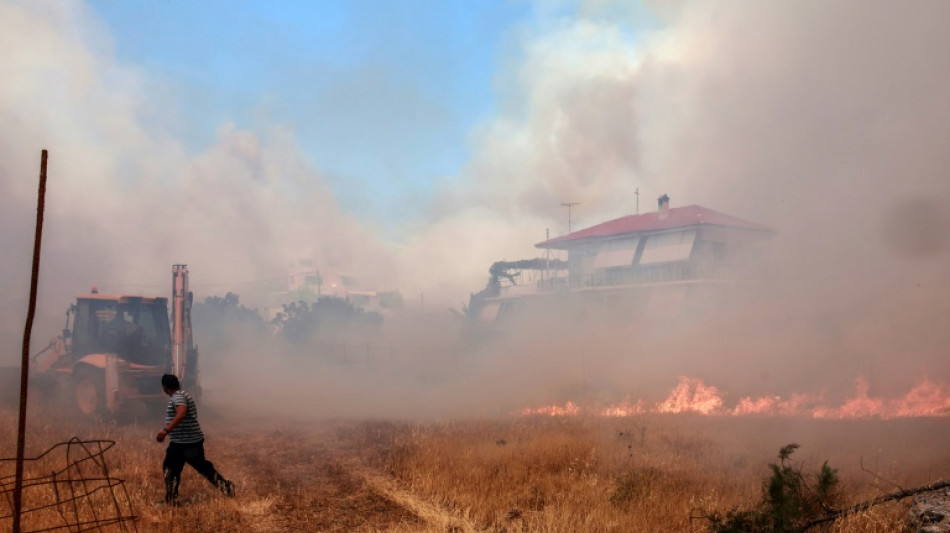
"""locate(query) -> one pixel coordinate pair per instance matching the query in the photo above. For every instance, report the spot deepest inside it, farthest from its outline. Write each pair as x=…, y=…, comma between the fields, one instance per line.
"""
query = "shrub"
x=789, y=499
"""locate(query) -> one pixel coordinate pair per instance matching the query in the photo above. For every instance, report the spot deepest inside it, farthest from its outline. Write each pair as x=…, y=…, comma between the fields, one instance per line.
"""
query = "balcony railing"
x=670, y=272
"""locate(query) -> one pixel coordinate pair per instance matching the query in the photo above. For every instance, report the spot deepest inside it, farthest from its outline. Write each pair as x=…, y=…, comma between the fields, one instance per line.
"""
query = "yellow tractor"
x=114, y=353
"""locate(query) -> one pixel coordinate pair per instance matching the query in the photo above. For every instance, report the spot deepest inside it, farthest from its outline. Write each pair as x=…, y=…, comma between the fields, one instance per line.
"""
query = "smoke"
x=125, y=200
x=823, y=121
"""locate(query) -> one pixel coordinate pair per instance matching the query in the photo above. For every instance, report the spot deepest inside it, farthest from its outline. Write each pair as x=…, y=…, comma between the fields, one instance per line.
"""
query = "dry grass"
x=530, y=474
x=645, y=474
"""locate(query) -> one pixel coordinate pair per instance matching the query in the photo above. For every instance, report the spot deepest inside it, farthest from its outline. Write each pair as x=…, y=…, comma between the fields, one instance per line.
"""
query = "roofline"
x=121, y=298
x=558, y=242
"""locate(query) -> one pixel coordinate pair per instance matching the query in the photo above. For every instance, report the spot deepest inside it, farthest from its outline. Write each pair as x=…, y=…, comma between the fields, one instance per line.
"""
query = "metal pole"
x=569, y=205
x=25, y=364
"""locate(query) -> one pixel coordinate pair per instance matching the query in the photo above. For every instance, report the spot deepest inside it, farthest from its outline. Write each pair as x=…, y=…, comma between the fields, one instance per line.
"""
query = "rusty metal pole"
x=25, y=365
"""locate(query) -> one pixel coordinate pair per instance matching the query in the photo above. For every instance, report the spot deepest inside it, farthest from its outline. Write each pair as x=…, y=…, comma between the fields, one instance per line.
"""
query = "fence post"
x=25, y=364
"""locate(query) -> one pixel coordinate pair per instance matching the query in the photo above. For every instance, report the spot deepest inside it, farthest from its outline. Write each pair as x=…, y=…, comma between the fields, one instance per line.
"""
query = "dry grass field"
x=539, y=474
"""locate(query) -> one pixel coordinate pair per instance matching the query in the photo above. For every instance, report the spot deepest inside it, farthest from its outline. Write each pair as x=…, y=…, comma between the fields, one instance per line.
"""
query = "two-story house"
x=651, y=264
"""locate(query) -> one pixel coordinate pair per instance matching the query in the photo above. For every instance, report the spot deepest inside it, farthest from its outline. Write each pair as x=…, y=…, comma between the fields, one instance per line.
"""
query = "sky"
x=380, y=95
x=356, y=135
x=415, y=143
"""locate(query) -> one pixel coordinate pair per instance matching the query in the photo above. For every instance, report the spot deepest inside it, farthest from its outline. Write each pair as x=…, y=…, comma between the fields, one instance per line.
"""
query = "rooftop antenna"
x=569, y=205
x=636, y=193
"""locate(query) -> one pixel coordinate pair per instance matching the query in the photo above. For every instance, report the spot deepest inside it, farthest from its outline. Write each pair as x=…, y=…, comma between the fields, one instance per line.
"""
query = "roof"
x=121, y=298
x=677, y=217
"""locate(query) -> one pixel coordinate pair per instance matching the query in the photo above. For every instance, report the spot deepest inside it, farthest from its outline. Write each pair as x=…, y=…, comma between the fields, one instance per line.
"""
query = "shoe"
x=227, y=488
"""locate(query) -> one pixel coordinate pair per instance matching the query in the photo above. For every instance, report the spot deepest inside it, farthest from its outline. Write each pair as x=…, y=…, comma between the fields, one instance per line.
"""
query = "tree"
x=218, y=316
x=300, y=322
x=390, y=300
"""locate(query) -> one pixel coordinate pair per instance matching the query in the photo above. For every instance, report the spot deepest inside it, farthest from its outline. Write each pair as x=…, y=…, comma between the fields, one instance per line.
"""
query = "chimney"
x=663, y=206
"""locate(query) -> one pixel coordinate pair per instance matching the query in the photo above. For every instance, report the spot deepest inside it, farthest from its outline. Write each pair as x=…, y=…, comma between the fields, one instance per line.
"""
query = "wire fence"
x=68, y=488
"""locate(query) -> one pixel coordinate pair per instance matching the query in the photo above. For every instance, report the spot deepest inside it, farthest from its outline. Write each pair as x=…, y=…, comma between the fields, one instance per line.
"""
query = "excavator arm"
x=184, y=352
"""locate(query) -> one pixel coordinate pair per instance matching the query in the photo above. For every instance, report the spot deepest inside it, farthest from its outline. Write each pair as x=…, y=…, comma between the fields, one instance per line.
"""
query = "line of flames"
x=692, y=395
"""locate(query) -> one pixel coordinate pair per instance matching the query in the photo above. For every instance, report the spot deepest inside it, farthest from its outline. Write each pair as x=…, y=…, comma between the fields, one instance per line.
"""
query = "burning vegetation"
x=692, y=395
x=641, y=473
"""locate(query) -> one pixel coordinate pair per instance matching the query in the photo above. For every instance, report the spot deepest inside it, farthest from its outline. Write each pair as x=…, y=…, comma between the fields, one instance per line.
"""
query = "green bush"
x=789, y=500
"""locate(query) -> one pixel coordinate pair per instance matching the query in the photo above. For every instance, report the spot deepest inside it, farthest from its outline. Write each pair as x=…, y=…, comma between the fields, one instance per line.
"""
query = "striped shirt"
x=187, y=431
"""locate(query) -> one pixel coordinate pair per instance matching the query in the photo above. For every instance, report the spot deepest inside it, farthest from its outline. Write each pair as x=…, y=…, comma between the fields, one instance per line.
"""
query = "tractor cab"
x=135, y=328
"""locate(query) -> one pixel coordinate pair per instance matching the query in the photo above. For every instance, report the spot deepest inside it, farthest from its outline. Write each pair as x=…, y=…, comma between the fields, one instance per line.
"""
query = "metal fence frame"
x=85, y=496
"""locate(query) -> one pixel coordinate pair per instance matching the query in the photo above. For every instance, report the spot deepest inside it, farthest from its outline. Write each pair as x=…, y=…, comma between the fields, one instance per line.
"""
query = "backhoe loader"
x=114, y=349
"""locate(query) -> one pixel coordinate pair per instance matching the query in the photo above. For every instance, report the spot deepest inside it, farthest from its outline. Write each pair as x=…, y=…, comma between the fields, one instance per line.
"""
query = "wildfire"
x=570, y=408
x=774, y=405
x=692, y=395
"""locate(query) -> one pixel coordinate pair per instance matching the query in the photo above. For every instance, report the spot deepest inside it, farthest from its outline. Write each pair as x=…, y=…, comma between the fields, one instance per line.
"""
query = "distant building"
x=307, y=283
x=656, y=262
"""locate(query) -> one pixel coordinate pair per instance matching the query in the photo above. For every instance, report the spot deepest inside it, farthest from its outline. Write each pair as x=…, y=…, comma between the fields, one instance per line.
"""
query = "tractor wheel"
x=89, y=387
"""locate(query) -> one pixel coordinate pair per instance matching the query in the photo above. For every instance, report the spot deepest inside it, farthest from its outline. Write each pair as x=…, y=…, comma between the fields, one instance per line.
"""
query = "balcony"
x=643, y=275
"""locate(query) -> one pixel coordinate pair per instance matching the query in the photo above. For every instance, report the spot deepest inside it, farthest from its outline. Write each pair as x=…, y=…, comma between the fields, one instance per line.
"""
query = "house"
x=306, y=283
x=652, y=264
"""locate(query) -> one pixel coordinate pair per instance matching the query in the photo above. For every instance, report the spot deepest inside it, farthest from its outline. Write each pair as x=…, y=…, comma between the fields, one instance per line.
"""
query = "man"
x=123, y=336
x=186, y=442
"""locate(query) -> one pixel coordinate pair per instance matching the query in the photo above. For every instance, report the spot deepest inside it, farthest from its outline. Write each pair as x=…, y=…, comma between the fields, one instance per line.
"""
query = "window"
x=617, y=253
x=668, y=247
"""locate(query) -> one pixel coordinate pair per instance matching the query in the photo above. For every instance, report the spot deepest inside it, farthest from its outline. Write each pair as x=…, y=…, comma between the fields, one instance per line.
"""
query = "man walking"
x=186, y=442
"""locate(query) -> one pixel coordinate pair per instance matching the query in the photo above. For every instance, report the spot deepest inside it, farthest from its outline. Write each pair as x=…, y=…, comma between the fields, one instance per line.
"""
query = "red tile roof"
x=677, y=217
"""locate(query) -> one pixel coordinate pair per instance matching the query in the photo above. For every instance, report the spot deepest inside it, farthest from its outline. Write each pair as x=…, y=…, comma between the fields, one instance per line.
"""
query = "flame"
x=861, y=406
x=925, y=399
x=692, y=395
x=570, y=408
x=625, y=408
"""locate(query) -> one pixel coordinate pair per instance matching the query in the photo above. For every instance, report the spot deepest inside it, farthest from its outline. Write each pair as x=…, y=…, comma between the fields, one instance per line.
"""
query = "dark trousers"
x=176, y=456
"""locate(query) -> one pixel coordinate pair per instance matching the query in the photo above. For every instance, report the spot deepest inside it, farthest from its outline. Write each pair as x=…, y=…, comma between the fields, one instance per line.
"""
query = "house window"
x=617, y=253
x=668, y=247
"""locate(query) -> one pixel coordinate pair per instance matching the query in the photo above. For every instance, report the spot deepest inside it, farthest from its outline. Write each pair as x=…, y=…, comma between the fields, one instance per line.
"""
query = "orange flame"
x=625, y=409
x=692, y=395
x=570, y=408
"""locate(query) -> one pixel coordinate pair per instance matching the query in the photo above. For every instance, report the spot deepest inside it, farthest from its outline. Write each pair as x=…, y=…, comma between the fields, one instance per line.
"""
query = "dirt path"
x=313, y=477
x=304, y=479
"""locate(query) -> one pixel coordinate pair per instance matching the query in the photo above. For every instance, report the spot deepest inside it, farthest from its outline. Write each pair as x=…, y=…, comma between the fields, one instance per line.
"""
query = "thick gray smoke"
x=125, y=201
x=825, y=121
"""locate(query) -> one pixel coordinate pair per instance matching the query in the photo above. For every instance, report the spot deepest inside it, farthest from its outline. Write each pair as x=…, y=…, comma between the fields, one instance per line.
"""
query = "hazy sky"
x=382, y=96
